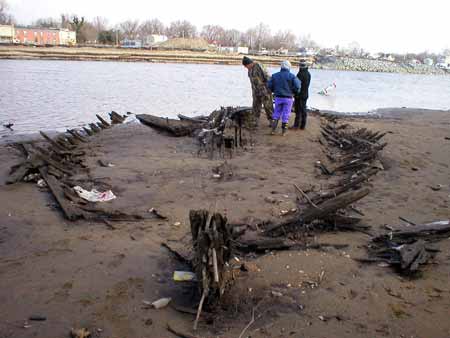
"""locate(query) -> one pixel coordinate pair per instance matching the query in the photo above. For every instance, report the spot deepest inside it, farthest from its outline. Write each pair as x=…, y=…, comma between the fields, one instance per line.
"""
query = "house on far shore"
x=44, y=36
x=6, y=33
x=67, y=37
x=428, y=61
x=130, y=43
x=153, y=39
x=231, y=50
x=37, y=36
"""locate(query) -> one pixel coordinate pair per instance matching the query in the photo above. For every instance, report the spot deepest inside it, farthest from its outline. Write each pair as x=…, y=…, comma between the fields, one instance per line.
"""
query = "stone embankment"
x=367, y=65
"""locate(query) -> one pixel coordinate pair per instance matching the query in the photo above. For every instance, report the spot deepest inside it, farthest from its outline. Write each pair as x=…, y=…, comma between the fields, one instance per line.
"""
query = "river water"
x=54, y=95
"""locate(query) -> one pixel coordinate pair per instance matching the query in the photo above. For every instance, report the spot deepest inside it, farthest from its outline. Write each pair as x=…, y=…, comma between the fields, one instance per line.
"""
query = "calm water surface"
x=54, y=95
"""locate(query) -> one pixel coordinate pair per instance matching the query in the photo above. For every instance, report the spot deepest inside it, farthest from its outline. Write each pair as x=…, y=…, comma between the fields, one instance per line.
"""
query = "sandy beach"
x=84, y=274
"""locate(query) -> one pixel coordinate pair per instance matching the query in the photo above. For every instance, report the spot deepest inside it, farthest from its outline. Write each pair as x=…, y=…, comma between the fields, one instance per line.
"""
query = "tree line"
x=100, y=31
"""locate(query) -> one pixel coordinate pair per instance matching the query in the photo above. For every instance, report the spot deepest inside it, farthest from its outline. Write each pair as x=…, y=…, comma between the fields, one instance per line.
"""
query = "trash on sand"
x=216, y=176
x=436, y=187
x=41, y=183
x=177, y=224
x=37, y=318
x=161, y=303
x=105, y=164
x=183, y=276
x=94, y=195
x=32, y=177
x=79, y=333
x=276, y=294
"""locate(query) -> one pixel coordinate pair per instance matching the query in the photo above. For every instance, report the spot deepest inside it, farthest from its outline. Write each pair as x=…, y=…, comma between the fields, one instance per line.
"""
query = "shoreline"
x=396, y=113
x=190, y=57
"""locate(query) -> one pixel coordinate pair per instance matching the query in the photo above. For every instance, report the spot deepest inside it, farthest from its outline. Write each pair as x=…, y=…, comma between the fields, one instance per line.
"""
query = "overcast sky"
x=379, y=25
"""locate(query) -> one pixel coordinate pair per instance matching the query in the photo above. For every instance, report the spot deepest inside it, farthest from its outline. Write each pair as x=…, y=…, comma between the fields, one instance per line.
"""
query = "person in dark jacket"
x=300, y=99
x=284, y=85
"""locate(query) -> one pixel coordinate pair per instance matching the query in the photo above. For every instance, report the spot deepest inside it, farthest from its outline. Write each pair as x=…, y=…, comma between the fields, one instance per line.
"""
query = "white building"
x=67, y=37
x=154, y=39
x=6, y=33
x=231, y=50
x=428, y=61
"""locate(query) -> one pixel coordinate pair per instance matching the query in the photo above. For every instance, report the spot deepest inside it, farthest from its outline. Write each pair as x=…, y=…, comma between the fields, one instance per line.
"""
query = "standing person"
x=284, y=85
x=261, y=94
x=300, y=100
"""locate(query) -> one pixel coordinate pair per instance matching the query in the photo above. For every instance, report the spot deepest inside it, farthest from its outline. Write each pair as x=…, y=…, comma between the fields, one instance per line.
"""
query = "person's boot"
x=274, y=126
x=283, y=129
x=296, y=122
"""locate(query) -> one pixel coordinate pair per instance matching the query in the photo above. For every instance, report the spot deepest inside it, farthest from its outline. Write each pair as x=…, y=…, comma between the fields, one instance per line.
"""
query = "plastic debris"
x=79, y=333
x=41, y=183
x=183, y=276
x=94, y=195
x=326, y=91
x=161, y=303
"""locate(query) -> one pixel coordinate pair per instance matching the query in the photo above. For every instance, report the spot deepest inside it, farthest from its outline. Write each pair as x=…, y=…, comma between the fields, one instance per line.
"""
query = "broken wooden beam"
x=103, y=121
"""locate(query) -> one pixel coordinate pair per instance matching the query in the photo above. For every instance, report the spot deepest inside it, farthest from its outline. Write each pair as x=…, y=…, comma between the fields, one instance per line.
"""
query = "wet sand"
x=82, y=274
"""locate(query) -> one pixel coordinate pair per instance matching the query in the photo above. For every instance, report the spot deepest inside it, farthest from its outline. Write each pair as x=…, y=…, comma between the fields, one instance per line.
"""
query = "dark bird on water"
x=8, y=125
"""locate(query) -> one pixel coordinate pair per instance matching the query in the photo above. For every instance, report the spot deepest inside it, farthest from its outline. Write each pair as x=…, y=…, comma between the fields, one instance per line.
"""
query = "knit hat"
x=246, y=60
x=286, y=65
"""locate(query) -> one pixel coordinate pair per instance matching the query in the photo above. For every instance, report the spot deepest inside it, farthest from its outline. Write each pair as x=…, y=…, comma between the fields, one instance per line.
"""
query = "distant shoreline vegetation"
x=174, y=55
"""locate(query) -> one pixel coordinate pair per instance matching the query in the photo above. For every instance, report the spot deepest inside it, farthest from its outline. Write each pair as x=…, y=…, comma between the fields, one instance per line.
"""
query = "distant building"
x=231, y=50
x=242, y=50
x=44, y=36
x=6, y=33
x=428, y=61
x=389, y=57
x=128, y=43
x=154, y=39
x=67, y=38
x=37, y=36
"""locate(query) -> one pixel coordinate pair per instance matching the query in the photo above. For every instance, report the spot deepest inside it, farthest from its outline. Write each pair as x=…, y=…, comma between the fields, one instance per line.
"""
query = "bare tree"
x=89, y=33
x=153, y=26
x=232, y=37
x=284, y=39
x=100, y=24
x=182, y=29
x=77, y=25
x=305, y=41
x=263, y=35
x=249, y=38
x=47, y=23
x=65, y=21
x=5, y=17
x=130, y=29
x=213, y=34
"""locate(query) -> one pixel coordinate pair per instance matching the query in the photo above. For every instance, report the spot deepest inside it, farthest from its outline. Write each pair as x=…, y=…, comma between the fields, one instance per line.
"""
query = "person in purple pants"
x=284, y=85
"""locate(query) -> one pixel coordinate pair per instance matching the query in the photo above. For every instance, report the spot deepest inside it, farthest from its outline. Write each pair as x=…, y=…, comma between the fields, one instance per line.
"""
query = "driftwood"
x=176, y=128
x=116, y=118
x=88, y=131
x=55, y=144
x=354, y=148
x=430, y=231
x=76, y=135
x=263, y=244
x=322, y=211
x=94, y=128
x=103, y=121
x=212, y=251
x=406, y=248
